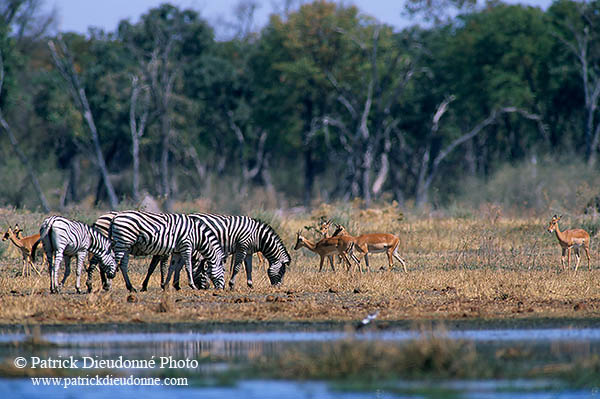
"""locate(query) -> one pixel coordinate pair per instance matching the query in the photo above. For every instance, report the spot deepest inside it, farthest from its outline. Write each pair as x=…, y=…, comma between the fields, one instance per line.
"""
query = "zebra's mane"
x=267, y=228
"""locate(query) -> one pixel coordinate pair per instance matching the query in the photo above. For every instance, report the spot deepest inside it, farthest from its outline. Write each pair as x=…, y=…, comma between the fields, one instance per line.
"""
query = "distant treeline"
x=323, y=103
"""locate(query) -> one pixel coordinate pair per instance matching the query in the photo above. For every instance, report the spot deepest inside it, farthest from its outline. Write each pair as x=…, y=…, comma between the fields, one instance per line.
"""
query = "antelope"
x=374, y=243
x=326, y=247
x=25, y=244
x=324, y=230
x=570, y=239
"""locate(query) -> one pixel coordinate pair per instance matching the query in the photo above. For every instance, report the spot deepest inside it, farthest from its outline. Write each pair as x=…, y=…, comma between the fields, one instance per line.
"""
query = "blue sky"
x=78, y=15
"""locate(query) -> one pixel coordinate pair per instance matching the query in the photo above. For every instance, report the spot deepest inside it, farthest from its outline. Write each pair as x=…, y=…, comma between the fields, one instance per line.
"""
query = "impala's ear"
x=559, y=217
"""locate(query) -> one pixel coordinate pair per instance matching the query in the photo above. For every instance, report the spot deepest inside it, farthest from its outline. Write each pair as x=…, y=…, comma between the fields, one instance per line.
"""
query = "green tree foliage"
x=324, y=102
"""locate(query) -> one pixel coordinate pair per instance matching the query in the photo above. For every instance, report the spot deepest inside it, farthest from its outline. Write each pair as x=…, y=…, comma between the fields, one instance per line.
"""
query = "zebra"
x=242, y=236
x=146, y=233
x=64, y=237
x=102, y=224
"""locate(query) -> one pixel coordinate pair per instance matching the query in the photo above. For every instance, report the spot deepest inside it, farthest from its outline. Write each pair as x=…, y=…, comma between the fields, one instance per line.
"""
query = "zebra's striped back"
x=102, y=224
x=232, y=232
x=149, y=233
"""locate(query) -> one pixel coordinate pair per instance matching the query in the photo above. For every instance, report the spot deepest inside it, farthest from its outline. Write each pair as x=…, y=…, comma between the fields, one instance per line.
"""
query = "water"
x=221, y=348
x=504, y=335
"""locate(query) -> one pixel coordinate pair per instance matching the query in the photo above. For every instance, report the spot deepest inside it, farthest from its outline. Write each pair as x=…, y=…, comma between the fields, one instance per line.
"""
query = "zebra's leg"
x=248, y=264
x=177, y=274
x=50, y=259
x=67, y=270
x=175, y=263
x=164, y=262
x=153, y=263
x=106, y=283
x=123, y=266
x=187, y=256
x=80, y=259
x=239, y=256
x=90, y=274
x=58, y=257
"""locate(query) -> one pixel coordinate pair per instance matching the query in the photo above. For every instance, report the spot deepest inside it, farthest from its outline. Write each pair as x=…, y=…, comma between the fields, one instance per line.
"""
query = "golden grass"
x=486, y=266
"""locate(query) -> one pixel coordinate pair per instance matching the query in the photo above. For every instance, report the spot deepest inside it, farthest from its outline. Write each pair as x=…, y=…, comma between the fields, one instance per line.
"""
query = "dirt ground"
x=312, y=297
x=487, y=266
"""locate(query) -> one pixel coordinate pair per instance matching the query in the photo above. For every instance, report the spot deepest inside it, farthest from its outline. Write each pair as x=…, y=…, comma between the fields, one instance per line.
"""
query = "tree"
x=20, y=154
x=64, y=63
x=164, y=42
x=298, y=52
x=578, y=25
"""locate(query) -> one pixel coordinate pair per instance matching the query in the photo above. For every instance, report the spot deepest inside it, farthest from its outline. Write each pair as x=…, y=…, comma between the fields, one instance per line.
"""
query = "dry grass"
x=484, y=266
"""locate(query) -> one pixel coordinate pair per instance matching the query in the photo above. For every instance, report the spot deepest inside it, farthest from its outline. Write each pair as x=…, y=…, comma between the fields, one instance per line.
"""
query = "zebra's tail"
x=44, y=230
x=33, y=248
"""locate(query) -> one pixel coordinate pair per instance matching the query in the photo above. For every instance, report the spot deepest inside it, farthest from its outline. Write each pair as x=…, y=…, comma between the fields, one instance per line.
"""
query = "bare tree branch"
x=66, y=67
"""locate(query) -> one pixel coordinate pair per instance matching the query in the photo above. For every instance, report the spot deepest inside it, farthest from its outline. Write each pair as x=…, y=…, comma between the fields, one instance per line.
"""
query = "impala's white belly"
x=377, y=249
x=578, y=242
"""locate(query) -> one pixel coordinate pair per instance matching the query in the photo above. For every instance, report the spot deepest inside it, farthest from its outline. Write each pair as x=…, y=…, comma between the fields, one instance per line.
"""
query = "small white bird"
x=367, y=320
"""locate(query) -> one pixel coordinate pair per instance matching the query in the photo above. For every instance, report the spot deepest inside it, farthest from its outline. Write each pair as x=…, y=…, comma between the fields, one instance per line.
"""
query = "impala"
x=374, y=243
x=328, y=246
x=570, y=239
x=24, y=244
x=324, y=226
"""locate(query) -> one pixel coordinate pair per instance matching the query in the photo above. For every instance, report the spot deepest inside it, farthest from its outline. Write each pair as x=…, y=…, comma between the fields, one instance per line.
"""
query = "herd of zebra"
x=200, y=242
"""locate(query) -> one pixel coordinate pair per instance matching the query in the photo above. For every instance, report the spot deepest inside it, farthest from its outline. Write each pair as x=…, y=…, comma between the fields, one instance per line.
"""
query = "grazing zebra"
x=242, y=236
x=63, y=237
x=102, y=224
x=146, y=233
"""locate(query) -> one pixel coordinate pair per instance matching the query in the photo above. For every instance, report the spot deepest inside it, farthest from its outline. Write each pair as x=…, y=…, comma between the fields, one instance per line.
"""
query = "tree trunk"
x=366, y=174
x=164, y=161
x=136, y=166
x=67, y=70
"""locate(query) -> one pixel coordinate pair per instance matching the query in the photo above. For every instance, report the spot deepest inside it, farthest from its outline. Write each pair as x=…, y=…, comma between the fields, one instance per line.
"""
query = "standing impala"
x=24, y=244
x=374, y=243
x=328, y=246
x=572, y=238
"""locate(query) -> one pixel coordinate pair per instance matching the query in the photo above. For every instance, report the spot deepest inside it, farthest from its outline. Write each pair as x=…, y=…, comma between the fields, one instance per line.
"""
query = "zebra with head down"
x=102, y=224
x=241, y=236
